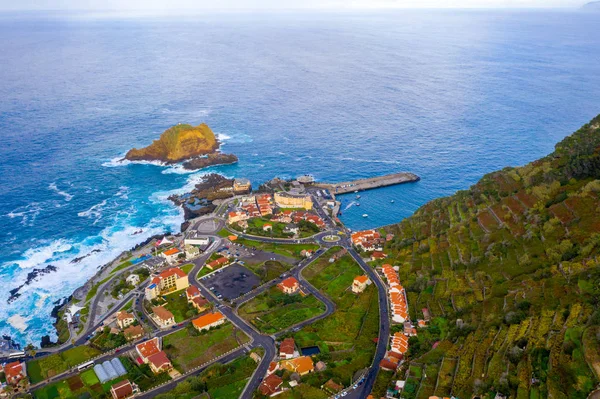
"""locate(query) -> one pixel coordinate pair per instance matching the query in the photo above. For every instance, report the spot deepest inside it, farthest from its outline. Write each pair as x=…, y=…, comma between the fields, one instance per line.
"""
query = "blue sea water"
x=449, y=95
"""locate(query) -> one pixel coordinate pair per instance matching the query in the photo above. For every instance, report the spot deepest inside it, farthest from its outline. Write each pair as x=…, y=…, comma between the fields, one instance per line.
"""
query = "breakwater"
x=369, y=183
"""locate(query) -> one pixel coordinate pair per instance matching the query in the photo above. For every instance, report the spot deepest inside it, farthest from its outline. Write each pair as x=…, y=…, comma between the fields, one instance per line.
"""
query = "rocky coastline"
x=213, y=159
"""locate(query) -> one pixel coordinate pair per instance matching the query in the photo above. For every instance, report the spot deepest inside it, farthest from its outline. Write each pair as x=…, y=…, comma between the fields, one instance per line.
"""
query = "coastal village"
x=181, y=304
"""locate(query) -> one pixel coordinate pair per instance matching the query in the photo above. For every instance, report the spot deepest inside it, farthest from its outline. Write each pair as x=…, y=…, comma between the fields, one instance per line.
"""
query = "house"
x=273, y=367
x=289, y=286
x=289, y=228
x=162, y=316
x=360, y=284
x=191, y=251
x=378, y=255
x=301, y=365
x=200, y=303
x=306, y=253
x=270, y=385
x=287, y=348
x=123, y=389
x=159, y=362
x=148, y=348
x=133, y=279
x=208, y=320
x=389, y=364
x=124, y=319
x=255, y=356
x=217, y=263
x=237, y=216
x=171, y=255
x=170, y=280
x=426, y=314
x=332, y=387
x=241, y=186
x=192, y=292
x=267, y=227
x=399, y=343
x=150, y=353
x=368, y=240
x=421, y=323
x=15, y=372
x=320, y=366
x=133, y=332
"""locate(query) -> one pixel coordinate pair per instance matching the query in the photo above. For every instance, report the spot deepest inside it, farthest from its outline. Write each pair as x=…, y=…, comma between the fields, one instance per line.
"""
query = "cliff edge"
x=178, y=143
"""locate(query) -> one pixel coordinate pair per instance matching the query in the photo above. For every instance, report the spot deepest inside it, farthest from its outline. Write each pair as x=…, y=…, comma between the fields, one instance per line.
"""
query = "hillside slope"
x=509, y=271
x=178, y=143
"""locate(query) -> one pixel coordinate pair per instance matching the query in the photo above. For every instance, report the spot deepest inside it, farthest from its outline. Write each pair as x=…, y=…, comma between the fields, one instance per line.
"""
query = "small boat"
x=365, y=215
x=358, y=197
x=392, y=201
x=358, y=204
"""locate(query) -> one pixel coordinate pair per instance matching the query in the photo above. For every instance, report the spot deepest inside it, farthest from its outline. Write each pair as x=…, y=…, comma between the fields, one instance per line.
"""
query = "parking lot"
x=232, y=281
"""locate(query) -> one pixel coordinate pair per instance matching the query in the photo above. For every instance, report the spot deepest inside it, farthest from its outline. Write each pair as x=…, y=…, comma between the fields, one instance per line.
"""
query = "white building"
x=194, y=238
x=133, y=279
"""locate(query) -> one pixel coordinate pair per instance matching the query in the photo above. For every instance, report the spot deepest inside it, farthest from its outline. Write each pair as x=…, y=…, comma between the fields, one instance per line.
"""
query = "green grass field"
x=49, y=366
x=346, y=337
x=187, y=268
x=177, y=304
x=85, y=385
x=188, y=351
x=268, y=270
x=220, y=381
x=274, y=311
x=290, y=250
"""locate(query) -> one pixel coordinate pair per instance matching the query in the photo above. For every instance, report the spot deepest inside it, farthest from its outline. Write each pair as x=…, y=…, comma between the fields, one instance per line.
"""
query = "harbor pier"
x=369, y=183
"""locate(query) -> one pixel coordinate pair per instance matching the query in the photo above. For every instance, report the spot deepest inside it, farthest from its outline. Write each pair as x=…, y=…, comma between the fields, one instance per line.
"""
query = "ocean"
x=448, y=95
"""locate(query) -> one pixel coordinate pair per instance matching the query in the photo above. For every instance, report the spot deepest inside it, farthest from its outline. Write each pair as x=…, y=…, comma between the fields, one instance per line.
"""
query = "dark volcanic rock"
x=200, y=200
x=31, y=276
x=216, y=158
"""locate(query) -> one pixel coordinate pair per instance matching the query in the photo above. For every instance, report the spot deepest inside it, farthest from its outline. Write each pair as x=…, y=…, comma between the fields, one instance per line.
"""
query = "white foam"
x=27, y=213
x=223, y=137
x=177, y=169
x=94, y=212
x=38, y=256
x=54, y=187
x=18, y=322
x=123, y=192
x=116, y=162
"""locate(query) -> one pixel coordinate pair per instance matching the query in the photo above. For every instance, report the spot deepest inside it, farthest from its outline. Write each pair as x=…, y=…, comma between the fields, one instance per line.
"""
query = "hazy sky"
x=168, y=6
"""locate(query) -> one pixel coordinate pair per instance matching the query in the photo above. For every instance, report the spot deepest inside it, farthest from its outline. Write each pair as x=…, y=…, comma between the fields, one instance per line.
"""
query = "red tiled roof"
x=287, y=346
x=174, y=270
x=121, y=389
x=13, y=370
x=289, y=282
x=148, y=348
x=159, y=359
x=162, y=313
x=270, y=385
x=192, y=291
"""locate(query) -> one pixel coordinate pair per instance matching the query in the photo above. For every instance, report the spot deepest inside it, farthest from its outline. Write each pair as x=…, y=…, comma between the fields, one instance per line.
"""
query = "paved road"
x=260, y=340
x=384, y=329
x=265, y=341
